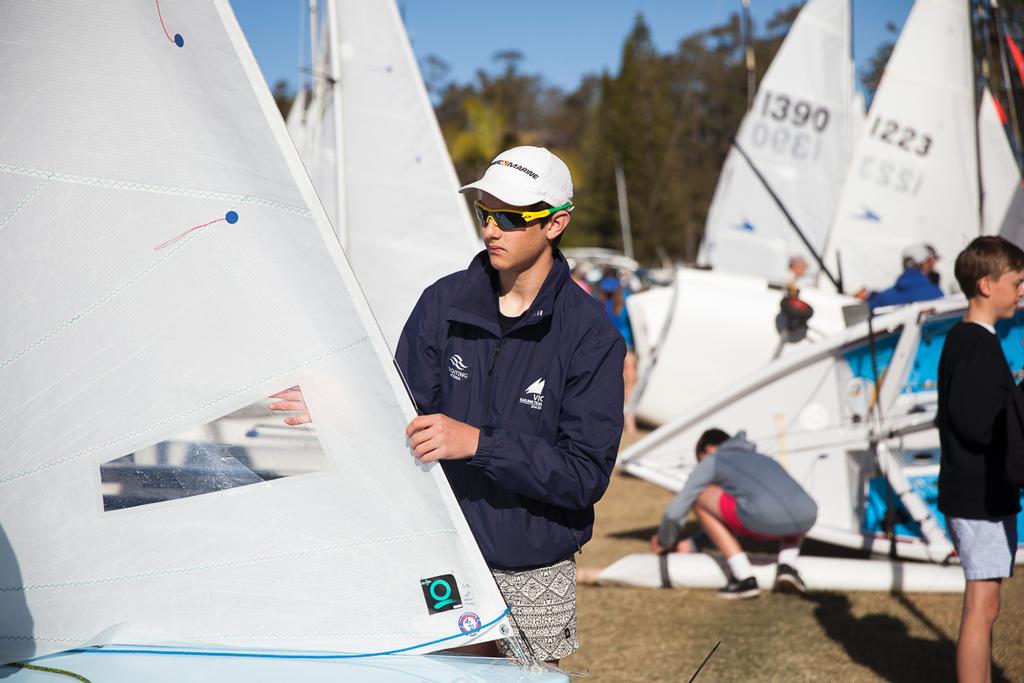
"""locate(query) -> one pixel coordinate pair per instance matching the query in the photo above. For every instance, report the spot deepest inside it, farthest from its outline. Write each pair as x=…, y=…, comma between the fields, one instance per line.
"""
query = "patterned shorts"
x=542, y=607
x=986, y=546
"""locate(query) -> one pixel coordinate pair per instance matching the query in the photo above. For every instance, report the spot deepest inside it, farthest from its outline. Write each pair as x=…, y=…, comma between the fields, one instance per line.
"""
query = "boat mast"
x=975, y=60
x=748, y=50
x=334, y=41
x=851, y=80
x=998, y=27
x=620, y=189
x=313, y=15
x=848, y=149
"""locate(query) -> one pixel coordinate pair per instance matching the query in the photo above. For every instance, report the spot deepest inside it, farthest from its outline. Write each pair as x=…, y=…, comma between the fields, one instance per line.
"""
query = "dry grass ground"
x=634, y=634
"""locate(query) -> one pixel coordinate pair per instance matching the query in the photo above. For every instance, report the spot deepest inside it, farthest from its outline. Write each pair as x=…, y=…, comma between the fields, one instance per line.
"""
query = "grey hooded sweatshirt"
x=768, y=501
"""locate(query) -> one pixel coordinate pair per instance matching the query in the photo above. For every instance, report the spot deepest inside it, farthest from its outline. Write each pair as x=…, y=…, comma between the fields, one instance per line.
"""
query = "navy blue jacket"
x=911, y=286
x=547, y=398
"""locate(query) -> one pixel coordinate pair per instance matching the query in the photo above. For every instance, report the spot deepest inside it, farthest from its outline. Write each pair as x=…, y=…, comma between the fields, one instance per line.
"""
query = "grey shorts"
x=542, y=610
x=986, y=546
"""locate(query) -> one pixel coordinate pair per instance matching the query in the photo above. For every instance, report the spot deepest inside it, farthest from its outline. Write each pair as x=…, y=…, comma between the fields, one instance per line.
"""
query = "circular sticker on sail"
x=470, y=622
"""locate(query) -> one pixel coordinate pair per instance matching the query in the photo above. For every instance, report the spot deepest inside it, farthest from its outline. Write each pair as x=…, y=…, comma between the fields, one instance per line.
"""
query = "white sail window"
x=248, y=446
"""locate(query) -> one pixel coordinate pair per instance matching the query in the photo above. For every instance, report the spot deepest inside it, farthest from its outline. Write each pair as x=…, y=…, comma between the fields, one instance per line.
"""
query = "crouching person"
x=735, y=491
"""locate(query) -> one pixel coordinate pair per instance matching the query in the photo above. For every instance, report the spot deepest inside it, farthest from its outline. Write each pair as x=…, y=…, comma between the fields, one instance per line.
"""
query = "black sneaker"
x=787, y=580
x=740, y=590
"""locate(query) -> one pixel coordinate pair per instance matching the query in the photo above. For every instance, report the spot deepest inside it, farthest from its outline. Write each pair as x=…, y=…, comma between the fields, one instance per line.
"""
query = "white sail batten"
x=1002, y=198
x=914, y=175
x=797, y=137
x=407, y=226
x=166, y=264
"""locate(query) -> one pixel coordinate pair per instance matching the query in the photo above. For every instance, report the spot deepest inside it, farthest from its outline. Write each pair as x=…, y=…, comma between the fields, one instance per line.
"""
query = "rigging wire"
x=699, y=668
x=52, y=670
x=836, y=282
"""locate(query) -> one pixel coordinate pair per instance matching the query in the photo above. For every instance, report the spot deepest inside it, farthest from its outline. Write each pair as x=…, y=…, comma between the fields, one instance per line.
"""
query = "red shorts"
x=727, y=508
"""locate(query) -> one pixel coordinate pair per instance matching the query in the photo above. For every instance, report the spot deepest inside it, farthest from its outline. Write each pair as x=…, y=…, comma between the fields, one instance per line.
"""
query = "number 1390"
x=799, y=113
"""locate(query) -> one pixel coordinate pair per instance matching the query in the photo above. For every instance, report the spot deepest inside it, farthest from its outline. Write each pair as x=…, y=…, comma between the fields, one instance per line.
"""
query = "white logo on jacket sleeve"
x=457, y=368
x=534, y=395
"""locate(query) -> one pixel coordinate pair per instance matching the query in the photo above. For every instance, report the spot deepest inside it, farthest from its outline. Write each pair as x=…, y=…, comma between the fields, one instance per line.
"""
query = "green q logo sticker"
x=441, y=593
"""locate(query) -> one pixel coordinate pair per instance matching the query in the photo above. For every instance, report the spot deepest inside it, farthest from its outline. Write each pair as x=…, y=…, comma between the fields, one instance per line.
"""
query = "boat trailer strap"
x=666, y=582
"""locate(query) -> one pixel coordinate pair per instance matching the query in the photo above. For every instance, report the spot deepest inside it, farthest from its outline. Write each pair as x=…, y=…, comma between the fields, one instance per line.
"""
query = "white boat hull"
x=814, y=412
x=819, y=573
x=167, y=665
x=721, y=328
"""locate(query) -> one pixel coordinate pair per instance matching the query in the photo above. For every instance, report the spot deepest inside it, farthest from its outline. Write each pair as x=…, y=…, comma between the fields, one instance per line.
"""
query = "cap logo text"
x=509, y=164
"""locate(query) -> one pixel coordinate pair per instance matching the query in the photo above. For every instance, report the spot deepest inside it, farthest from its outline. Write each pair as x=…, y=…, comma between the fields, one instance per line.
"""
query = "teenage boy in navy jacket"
x=517, y=374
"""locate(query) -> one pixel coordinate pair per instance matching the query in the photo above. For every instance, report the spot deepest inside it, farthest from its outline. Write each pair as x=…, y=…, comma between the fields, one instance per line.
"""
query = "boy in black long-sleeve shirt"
x=975, y=385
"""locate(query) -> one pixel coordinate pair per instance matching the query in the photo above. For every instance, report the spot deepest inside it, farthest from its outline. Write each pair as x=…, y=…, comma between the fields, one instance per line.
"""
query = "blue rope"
x=263, y=655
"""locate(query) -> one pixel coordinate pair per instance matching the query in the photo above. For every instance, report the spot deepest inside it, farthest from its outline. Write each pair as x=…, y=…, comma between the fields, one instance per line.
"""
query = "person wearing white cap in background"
x=918, y=282
x=517, y=373
x=797, y=271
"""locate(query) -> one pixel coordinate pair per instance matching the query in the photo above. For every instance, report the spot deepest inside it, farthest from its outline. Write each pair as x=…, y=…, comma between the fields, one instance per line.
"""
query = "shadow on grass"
x=645, y=532
x=810, y=547
x=882, y=642
x=641, y=534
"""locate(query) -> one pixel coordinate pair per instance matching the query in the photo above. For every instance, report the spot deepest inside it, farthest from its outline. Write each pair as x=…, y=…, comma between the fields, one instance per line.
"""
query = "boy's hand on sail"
x=438, y=437
x=292, y=401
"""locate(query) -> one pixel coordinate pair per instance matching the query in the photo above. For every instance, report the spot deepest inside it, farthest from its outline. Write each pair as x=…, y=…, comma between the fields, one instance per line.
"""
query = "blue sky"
x=560, y=39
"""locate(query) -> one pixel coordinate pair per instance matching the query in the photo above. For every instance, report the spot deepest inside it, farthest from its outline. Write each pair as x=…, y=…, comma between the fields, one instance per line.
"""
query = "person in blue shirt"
x=613, y=295
x=918, y=282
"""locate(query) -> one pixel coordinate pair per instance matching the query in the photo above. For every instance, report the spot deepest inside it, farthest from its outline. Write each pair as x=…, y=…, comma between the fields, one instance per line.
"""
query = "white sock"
x=788, y=554
x=739, y=565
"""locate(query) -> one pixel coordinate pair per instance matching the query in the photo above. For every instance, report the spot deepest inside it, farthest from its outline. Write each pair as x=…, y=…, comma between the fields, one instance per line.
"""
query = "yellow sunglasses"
x=510, y=219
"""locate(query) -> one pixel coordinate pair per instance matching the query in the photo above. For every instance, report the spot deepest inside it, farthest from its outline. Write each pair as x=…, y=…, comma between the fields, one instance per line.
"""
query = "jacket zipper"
x=485, y=420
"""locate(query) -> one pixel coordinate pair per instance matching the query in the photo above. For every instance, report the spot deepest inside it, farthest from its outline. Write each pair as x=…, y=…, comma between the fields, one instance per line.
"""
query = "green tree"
x=435, y=74
x=668, y=119
x=480, y=139
x=871, y=75
x=283, y=97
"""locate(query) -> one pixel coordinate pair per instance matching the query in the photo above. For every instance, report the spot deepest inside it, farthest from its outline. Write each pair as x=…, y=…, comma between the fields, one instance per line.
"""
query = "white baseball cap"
x=918, y=253
x=523, y=176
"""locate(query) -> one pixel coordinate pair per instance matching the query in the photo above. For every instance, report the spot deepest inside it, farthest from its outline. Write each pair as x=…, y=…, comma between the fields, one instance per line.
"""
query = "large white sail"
x=1002, y=196
x=797, y=137
x=914, y=175
x=396, y=206
x=165, y=263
